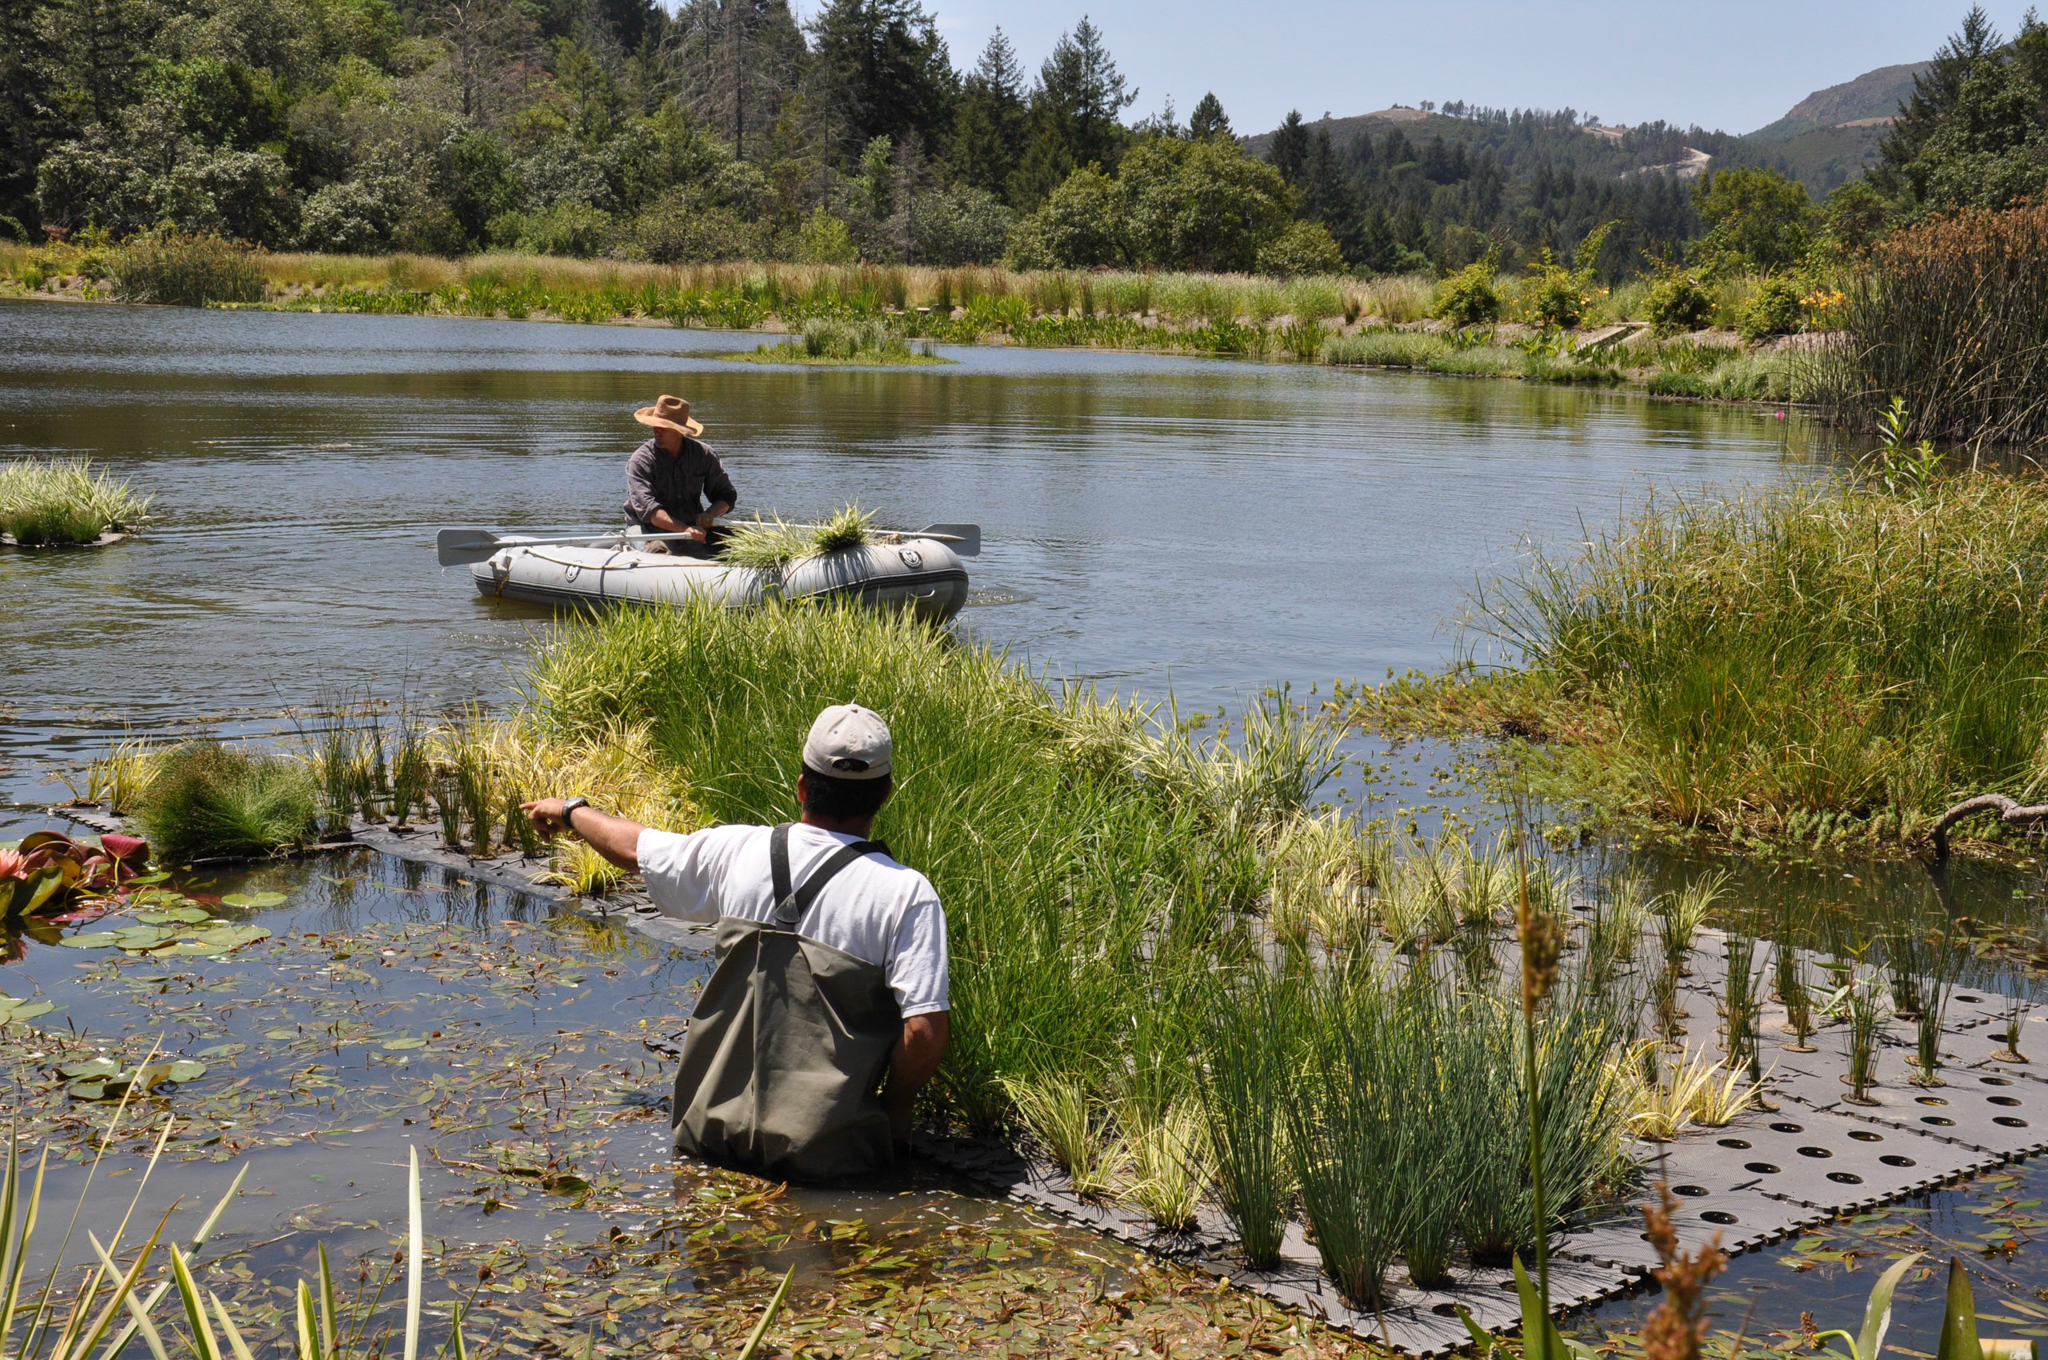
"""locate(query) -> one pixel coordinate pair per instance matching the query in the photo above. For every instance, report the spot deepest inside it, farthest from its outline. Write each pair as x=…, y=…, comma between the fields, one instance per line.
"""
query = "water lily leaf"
x=97, y=940
x=89, y=1090
x=91, y=1067
x=565, y=1184
x=184, y=1069
x=254, y=900
x=189, y=948
x=174, y=916
x=405, y=1043
x=231, y=936
x=12, y=1010
x=280, y=1034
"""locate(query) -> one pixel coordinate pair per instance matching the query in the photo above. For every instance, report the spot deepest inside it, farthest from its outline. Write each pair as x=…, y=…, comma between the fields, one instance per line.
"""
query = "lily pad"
x=91, y=1067
x=99, y=939
x=188, y=949
x=14, y=1009
x=174, y=916
x=405, y=1043
x=280, y=1034
x=184, y=1069
x=254, y=900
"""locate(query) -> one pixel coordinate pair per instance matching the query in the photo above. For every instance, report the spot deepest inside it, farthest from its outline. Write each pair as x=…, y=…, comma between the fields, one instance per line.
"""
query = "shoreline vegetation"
x=1392, y=321
x=1825, y=665
x=65, y=502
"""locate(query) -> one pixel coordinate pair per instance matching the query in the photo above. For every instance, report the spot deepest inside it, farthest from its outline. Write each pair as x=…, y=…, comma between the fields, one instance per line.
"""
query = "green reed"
x=64, y=500
x=1246, y=1076
x=1824, y=646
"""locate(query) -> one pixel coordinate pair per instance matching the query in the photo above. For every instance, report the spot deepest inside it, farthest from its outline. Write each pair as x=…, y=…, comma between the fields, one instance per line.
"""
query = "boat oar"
x=459, y=547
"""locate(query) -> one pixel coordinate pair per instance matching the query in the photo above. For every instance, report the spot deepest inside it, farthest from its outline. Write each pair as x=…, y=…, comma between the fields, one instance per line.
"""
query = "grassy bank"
x=64, y=501
x=1831, y=663
x=842, y=342
x=1336, y=319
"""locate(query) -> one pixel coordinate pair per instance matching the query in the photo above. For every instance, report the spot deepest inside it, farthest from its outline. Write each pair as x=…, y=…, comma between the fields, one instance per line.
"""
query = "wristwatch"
x=569, y=807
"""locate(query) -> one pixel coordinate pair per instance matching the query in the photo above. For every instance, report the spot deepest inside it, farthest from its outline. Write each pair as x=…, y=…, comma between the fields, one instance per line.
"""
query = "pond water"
x=1214, y=526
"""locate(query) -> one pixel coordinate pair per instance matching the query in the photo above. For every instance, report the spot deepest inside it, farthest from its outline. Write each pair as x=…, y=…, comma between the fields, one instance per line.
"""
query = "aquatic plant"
x=1615, y=931
x=186, y=270
x=1061, y=1114
x=1795, y=993
x=207, y=800
x=2013, y=1012
x=65, y=500
x=1863, y=1010
x=774, y=545
x=1383, y=348
x=1246, y=1081
x=1741, y=1002
x=47, y=871
x=1170, y=1161
x=1885, y=654
x=1692, y=1089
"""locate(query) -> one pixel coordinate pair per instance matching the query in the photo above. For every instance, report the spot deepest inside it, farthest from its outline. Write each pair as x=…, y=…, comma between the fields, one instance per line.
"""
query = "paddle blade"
x=460, y=547
x=963, y=539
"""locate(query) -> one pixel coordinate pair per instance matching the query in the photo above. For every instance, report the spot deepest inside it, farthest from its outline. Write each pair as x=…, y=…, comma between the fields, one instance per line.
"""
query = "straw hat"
x=669, y=413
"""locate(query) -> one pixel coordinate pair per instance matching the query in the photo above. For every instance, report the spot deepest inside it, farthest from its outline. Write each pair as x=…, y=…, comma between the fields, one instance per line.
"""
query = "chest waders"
x=788, y=1044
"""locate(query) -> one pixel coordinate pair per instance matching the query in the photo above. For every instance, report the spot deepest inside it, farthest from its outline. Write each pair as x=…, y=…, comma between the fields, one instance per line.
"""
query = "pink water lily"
x=12, y=862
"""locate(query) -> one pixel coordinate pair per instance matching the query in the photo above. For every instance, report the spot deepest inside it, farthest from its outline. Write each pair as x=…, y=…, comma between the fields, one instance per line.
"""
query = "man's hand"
x=669, y=524
x=911, y=1065
x=616, y=838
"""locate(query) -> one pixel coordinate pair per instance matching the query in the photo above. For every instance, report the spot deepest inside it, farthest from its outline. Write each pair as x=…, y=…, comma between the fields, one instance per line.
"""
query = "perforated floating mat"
x=1816, y=1158
x=1421, y=1322
x=1999, y=1112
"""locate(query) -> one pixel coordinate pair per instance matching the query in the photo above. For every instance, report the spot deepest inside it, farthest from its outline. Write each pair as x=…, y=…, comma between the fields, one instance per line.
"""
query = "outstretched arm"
x=616, y=838
x=912, y=1064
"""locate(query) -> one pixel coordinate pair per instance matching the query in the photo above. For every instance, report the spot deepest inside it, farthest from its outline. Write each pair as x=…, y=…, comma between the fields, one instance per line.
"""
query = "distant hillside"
x=1870, y=96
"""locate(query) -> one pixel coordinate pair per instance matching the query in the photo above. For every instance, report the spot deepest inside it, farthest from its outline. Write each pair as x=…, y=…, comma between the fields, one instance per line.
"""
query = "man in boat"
x=675, y=483
x=828, y=1008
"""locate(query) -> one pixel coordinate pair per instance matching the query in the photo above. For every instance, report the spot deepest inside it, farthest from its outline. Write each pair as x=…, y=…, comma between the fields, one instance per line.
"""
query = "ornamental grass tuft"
x=205, y=800
x=64, y=500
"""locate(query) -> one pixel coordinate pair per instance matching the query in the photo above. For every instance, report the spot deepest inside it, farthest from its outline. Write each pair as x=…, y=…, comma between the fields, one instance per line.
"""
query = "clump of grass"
x=186, y=270
x=1741, y=1002
x=1698, y=1089
x=1795, y=993
x=772, y=545
x=1384, y=349
x=1888, y=648
x=1245, y=1079
x=1863, y=1009
x=65, y=500
x=1171, y=1165
x=121, y=777
x=828, y=341
x=1061, y=1115
x=206, y=800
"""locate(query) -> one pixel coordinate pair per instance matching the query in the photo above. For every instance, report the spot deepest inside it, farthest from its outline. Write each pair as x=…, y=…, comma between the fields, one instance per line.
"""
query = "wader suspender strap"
x=791, y=904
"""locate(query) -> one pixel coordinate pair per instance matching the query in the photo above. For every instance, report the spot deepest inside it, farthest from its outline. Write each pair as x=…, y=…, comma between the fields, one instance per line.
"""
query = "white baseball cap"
x=848, y=742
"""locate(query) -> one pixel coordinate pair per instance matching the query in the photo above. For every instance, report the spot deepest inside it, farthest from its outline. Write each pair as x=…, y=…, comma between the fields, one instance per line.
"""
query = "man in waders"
x=831, y=966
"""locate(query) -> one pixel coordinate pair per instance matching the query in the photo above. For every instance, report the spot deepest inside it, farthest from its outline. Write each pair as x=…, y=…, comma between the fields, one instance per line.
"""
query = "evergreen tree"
x=989, y=120
x=95, y=50
x=880, y=69
x=1080, y=97
x=1289, y=151
x=1047, y=163
x=1936, y=91
x=1208, y=119
x=24, y=111
x=734, y=62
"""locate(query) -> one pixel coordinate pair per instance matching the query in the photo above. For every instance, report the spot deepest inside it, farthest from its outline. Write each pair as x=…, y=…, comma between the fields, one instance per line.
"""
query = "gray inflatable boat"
x=922, y=575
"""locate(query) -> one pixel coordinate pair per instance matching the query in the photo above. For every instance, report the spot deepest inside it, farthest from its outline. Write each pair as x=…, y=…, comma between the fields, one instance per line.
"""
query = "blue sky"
x=1731, y=64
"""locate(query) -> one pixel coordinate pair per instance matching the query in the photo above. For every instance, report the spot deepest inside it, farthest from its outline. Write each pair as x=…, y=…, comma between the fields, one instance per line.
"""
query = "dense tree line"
x=728, y=129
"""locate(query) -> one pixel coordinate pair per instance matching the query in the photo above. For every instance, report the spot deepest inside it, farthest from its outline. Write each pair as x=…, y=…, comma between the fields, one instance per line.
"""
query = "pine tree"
x=24, y=102
x=1289, y=151
x=1080, y=96
x=989, y=121
x=1208, y=119
x=735, y=61
x=1047, y=163
x=880, y=69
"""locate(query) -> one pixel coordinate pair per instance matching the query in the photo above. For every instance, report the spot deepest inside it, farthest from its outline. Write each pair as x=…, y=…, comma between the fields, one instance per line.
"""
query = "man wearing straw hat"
x=670, y=478
x=828, y=1009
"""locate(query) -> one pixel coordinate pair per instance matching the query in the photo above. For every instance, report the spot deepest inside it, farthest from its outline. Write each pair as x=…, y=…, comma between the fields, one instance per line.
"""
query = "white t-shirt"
x=875, y=909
